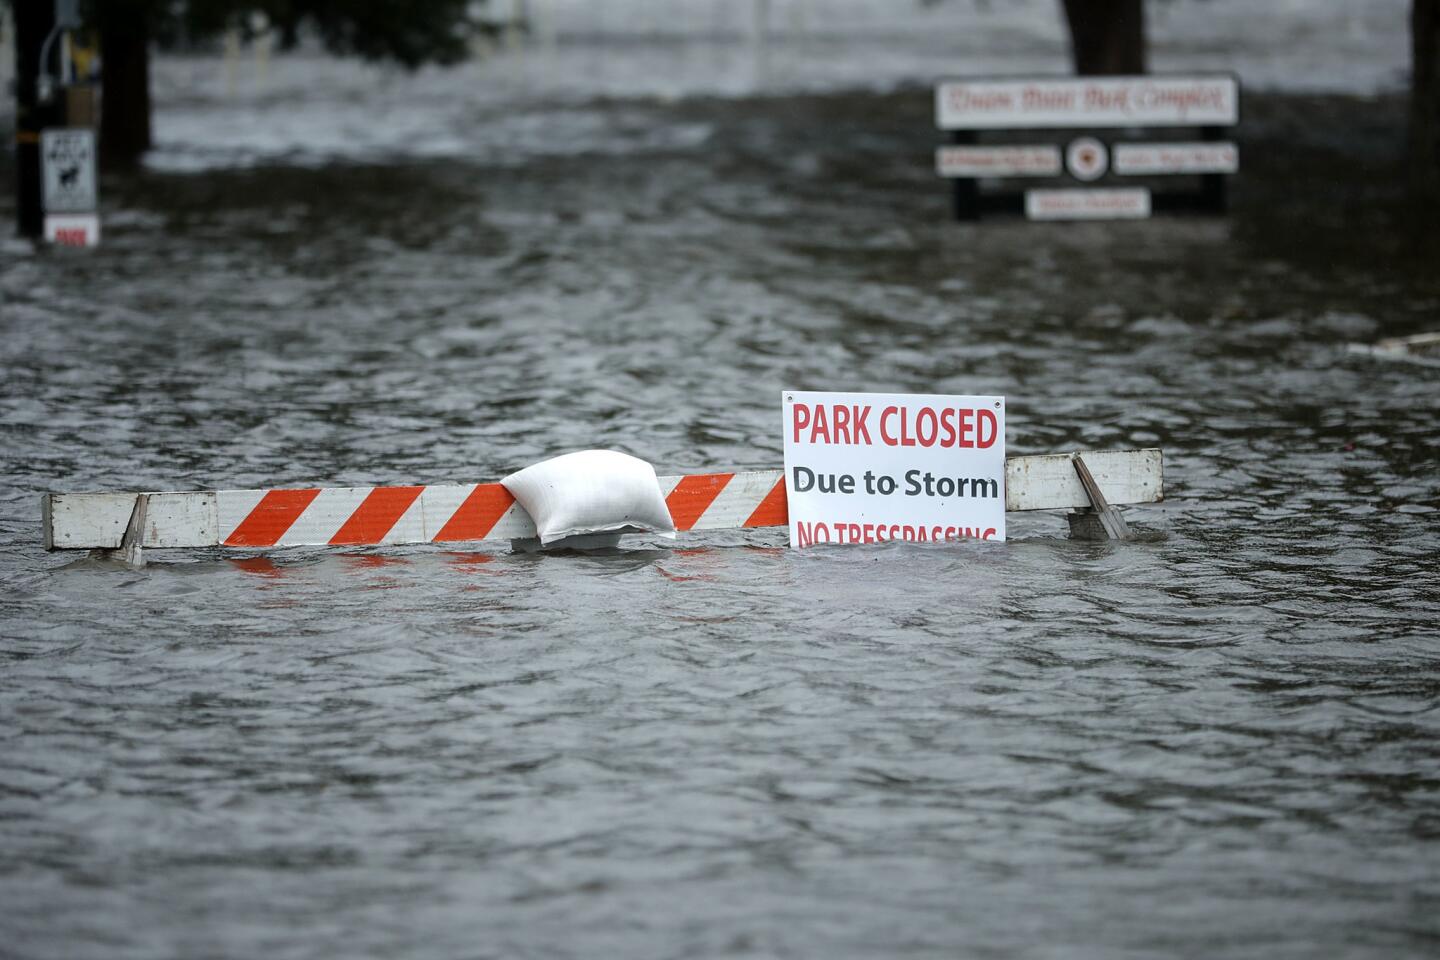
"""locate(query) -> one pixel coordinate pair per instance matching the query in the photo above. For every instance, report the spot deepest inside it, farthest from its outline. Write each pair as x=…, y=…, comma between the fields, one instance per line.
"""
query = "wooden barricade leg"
x=1101, y=521
x=131, y=552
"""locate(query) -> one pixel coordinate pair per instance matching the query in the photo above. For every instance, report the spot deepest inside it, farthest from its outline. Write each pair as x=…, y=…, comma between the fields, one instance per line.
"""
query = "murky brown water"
x=1220, y=741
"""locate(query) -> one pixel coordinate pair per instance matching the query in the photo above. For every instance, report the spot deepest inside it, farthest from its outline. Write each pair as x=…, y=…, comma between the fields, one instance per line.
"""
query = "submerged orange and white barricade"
x=456, y=513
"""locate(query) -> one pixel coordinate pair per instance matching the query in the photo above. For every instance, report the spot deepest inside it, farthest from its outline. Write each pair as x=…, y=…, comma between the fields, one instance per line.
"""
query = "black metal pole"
x=1213, y=198
x=967, y=189
x=34, y=20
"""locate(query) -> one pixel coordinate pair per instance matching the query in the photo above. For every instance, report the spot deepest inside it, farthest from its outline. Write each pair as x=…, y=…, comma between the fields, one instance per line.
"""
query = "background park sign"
x=1089, y=178
x=67, y=163
x=871, y=467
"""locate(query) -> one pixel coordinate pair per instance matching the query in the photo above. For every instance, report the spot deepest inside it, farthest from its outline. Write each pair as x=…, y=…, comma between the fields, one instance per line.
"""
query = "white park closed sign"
x=873, y=467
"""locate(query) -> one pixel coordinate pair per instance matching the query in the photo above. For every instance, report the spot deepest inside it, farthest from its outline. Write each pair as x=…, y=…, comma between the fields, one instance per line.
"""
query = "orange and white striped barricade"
x=463, y=513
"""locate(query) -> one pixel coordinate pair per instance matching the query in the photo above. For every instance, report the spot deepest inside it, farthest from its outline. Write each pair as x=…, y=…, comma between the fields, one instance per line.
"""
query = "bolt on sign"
x=1088, y=177
x=872, y=467
x=67, y=160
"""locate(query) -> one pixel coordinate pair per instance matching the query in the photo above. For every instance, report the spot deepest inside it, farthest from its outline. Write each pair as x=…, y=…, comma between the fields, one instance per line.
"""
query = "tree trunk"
x=33, y=20
x=125, y=61
x=1107, y=36
x=1425, y=99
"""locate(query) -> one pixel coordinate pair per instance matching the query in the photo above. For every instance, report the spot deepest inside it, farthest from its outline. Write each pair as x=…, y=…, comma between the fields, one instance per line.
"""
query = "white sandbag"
x=593, y=491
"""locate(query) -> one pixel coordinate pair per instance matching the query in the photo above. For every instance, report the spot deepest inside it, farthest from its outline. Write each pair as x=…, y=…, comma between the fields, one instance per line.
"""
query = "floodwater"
x=1220, y=740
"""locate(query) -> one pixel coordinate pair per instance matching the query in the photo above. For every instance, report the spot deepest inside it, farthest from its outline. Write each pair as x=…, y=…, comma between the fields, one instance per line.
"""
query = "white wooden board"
x=1050, y=482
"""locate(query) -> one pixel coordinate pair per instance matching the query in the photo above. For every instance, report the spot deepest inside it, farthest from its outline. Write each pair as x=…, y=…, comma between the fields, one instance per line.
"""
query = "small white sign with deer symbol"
x=68, y=161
